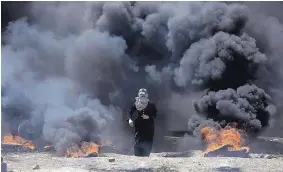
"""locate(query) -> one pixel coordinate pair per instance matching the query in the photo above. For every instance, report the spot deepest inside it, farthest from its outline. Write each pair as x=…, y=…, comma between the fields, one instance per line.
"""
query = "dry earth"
x=25, y=162
x=269, y=160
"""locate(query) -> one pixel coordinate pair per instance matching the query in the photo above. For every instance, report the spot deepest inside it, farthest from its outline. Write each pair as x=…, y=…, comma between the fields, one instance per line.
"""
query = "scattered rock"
x=174, y=154
x=111, y=159
x=124, y=163
x=274, y=140
x=94, y=154
x=270, y=156
x=36, y=167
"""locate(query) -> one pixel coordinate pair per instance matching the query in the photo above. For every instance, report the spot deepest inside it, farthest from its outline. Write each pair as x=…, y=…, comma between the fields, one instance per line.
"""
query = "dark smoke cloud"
x=88, y=61
x=267, y=28
x=248, y=103
x=204, y=20
x=269, y=38
x=196, y=123
x=77, y=67
x=116, y=19
x=174, y=26
x=74, y=126
x=216, y=62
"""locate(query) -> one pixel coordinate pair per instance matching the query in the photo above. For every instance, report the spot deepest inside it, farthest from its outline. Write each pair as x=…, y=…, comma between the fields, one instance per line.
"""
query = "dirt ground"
x=266, y=155
x=24, y=162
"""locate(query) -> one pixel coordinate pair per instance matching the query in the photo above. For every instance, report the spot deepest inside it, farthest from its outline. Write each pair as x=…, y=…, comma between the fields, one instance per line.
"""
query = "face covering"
x=141, y=102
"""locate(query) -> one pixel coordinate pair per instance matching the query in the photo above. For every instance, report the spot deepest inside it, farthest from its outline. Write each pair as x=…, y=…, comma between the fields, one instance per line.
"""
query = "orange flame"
x=224, y=137
x=48, y=146
x=17, y=140
x=85, y=150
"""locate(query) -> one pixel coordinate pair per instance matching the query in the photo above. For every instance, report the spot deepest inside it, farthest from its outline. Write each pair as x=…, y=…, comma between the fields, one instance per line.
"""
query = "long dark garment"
x=144, y=129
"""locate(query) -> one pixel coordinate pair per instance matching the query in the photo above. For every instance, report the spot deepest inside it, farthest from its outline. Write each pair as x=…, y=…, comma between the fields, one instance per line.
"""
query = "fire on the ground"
x=228, y=136
x=75, y=151
x=17, y=140
x=85, y=150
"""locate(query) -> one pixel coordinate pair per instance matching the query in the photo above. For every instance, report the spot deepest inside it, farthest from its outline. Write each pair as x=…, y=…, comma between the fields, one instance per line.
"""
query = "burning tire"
x=226, y=142
x=249, y=106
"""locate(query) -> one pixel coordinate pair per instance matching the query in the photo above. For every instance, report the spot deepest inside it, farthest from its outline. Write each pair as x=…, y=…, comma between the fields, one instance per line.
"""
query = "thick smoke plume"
x=248, y=104
x=213, y=62
x=73, y=68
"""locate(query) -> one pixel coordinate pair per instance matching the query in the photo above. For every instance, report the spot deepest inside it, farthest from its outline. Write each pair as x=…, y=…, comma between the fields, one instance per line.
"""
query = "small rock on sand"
x=36, y=167
x=111, y=159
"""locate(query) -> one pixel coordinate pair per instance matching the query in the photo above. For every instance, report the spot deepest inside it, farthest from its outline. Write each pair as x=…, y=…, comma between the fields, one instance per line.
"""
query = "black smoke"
x=249, y=106
x=75, y=67
x=220, y=62
x=227, y=64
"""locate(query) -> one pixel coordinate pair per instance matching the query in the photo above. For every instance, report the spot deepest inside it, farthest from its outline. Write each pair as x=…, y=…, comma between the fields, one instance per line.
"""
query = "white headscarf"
x=142, y=99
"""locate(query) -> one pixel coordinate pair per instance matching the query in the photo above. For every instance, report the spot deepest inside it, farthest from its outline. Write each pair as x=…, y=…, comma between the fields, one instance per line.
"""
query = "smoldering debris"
x=78, y=66
x=225, y=152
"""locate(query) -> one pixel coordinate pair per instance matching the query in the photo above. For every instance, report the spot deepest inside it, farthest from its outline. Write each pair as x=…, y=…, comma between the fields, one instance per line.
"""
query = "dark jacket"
x=144, y=128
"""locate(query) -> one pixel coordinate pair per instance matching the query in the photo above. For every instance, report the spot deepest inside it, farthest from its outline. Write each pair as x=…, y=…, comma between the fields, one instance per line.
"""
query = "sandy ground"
x=266, y=155
x=24, y=162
